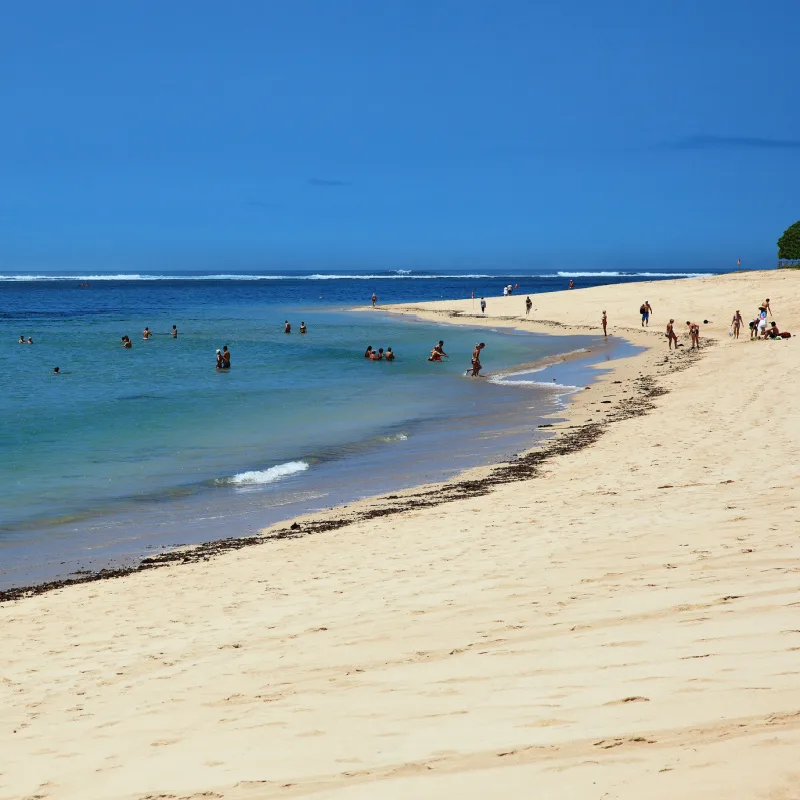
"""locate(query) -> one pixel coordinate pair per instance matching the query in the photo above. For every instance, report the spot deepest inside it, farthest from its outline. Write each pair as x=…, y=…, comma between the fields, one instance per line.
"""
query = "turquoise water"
x=153, y=446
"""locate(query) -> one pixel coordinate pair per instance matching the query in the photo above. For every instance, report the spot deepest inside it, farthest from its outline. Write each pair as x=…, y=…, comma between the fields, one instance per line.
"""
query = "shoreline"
x=612, y=614
x=181, y=554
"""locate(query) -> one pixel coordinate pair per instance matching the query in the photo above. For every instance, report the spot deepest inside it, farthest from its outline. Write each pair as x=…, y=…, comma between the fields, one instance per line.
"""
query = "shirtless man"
x=287, y=328
x=605, y=322
x=671, y=336
x=694, y=334
x=736, y=323
x=21, y=340
x=646, y=310
x=374, y=300
x=439, y=348
x=764, y=308
x=529, y=306
x=476, y=360
x=226, y=357
x=389, y=354
x=146, y=334
x=126, y=342
x=174, y=331
x=303, y=328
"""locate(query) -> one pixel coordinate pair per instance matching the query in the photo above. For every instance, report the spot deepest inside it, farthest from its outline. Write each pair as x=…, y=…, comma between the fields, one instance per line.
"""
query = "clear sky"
x=397, y=133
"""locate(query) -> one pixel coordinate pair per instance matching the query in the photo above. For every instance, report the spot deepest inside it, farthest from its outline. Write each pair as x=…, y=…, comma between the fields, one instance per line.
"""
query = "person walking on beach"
x=645, y=310
x=605, y=323
x=374, y=300
x=483, y=306
x=476, y=360
x=671, y=336
x=529, y=305
x=736, y=323
x=571, y=284
x=764, y=308
x=694, y=334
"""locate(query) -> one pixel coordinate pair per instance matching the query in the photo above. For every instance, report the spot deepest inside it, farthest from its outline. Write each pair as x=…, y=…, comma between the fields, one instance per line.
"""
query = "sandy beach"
x=615, y=615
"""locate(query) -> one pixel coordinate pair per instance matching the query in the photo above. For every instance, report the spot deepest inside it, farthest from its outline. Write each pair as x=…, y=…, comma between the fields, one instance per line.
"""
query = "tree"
x=789, y=243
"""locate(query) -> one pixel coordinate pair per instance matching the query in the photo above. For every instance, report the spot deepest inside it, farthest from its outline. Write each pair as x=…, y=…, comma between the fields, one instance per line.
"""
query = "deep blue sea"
x=128, y=450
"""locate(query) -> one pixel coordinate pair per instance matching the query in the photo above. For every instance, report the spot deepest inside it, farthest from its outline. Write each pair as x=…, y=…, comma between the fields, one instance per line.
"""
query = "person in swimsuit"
x=379, y=354
x=476, y=360
x=528, y=305
x=219, y=359
x=604, y=320
x=56, y=371
x=303, y=328
x=439, y=348
x=174, y=331
x=146, y=334
x=483, y=306
x=389, y=354
x=736, y=323
x=671, y=336
x=126, y=342
x=21, y=340
x=694, y=334
x=571, y=284
x=646, y=310
x=368, y=352
x=764, y=308
x=287, y=328
x=30, y=340
x=226, y=357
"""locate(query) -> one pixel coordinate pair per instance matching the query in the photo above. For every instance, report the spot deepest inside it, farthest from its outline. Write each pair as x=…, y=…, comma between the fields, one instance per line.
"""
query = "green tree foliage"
x=789, y=243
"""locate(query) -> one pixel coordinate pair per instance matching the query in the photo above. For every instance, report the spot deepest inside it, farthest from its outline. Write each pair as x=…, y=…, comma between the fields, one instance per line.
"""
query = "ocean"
x=126, y=451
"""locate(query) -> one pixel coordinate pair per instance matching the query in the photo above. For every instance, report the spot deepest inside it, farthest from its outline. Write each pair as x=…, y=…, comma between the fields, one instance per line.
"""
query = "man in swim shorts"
x=146, y=334
x=645, y=310
x=476, y=360
x=374, y=299
x=389, y=354
x=174, y=331
x=439, y=348
x=694, y=334
x=764, y=308
x=226, y=357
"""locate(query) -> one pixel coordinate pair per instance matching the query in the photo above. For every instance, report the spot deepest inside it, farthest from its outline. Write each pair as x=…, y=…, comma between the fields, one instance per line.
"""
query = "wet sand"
x=616, y=613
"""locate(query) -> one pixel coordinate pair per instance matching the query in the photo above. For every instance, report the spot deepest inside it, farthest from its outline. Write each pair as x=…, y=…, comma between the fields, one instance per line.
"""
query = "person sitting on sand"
x=476, y=360
x=303, y=328
x=529, y=305
x=389, y=354
x=772, y=331
x=368, y=352
x=146, y=334
x=671, y=336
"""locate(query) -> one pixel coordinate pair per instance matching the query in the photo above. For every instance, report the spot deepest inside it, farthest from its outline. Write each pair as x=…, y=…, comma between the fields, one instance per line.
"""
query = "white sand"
x=626, y=625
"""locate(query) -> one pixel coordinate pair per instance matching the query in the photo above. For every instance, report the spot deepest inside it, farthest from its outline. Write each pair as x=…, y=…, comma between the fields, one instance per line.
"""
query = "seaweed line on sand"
x=522, y=468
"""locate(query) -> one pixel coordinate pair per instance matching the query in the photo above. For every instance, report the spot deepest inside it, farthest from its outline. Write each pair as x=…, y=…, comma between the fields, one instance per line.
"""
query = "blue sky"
x=348, y=133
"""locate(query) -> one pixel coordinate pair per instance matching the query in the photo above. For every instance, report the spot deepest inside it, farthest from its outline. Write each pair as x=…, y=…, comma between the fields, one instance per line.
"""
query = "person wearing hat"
x=645, y=310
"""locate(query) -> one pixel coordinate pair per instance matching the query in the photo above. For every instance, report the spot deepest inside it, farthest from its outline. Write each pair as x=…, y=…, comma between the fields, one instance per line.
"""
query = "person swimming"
x=21, y=340
x=368, y=352
x=303, y=328
x=30, y=340
x=389, y=354
x=126, y=342
x=56, y=371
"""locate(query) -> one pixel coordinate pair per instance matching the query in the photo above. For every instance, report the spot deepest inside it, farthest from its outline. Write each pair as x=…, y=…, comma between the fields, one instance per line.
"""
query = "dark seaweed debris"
x=523, y=468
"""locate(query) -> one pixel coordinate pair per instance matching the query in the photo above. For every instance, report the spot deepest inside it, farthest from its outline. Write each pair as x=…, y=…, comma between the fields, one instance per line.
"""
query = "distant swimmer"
x=604, y=320
x=219, y=359
x=146, y=334
x=645, y=309
x=476, y=360
x=377, y=355
x=671, y=335
x=21, y=340
x=374, y=299
x=287, y=328
x=368, y=352
x=226, y=357
x=483, y=306
x=439, y=348
x=303, y=328
x=30, y=340
x=389, y=354
x=56, y=371
x=528, y=305
x=174, y=331
x=126, y=342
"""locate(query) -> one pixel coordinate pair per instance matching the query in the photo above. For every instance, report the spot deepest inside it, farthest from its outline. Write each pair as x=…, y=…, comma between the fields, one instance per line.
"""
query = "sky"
x=305, y=134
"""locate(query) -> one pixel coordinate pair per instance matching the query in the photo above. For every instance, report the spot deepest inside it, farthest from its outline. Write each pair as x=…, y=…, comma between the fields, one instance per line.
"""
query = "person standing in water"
x=476, y=360
x=483, y=306
x=389, y=354
x=174, y=331
x=528, y=305
x=226, y=357
x=21, y=340
x=146, y=334
x=303, y=328
x=219, y=359
x=368, y=352
x=605, y=323
x=287, y=328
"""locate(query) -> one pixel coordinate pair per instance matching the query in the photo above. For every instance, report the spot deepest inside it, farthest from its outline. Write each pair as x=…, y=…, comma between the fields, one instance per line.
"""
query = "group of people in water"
x=23, y=341
x=287, y=327
x=379, y=354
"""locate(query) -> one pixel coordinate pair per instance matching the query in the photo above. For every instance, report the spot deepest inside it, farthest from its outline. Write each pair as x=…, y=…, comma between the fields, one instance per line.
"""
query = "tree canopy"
x=789, y=243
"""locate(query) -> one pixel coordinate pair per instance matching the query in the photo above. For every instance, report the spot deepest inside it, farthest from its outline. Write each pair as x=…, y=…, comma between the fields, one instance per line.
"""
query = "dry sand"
x=624, y=624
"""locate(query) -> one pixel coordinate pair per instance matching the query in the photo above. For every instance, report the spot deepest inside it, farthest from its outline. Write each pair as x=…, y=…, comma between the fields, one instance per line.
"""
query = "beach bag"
x=642, y=309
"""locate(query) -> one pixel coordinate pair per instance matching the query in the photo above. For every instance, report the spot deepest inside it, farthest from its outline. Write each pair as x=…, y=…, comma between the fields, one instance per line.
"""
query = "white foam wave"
x=626, y=275
x=503, y=380
x=397, y=437
x=258, y=477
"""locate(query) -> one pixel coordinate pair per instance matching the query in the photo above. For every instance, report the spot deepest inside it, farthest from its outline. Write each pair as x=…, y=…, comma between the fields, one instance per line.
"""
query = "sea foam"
x=259, y=477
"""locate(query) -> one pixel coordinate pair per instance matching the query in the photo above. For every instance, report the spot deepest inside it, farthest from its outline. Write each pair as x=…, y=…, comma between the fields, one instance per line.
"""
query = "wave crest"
x=260, y=477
